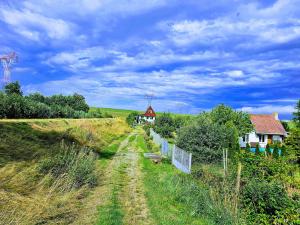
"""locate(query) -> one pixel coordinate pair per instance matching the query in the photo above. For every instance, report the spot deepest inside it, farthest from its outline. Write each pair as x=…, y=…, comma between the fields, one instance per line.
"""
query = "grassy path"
x=124, y=201
x=136, y=191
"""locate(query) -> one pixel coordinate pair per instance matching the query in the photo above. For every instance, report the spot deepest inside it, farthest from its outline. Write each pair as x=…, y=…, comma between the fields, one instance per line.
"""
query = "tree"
x=292, y=144
x=37, y=97
x=241, y=120
x=131, y=118
x=13, y=88
x=285, y=125
x=165, y=125
x=297, y=114
x=257, y=152
x=205, y=139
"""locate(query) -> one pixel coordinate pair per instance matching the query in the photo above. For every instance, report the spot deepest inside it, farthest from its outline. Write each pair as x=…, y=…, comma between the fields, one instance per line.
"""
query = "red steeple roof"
x=150, y=112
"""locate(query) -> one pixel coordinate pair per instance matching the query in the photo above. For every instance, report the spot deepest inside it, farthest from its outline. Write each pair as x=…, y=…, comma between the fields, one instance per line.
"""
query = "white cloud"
x=223, y=29
x=35, y=26
x=268, y=109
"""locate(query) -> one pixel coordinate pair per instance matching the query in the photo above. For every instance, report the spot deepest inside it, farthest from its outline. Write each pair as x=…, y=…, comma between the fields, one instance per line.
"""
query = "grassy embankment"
x=28, y=196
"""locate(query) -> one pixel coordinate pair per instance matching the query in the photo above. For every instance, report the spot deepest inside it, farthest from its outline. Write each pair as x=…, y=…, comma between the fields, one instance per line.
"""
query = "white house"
x=267, y=129
x=148, y=117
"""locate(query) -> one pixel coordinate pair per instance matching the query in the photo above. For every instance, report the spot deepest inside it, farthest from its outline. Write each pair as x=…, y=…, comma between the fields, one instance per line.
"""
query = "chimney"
x=275, y=114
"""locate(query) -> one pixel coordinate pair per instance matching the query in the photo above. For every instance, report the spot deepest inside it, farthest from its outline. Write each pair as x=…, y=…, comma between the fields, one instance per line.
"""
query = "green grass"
x=123, y=113
x=141, y=143
x=111, y=214
x=165, y=207
x=107, y=153
x=162, y=193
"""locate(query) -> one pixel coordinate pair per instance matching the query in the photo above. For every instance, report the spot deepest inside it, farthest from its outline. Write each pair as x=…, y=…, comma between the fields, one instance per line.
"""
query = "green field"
x=123, y=113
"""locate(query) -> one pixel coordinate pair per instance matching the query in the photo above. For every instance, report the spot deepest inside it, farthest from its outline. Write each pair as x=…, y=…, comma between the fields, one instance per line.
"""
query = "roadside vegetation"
x=254, y=188
x=49, y=168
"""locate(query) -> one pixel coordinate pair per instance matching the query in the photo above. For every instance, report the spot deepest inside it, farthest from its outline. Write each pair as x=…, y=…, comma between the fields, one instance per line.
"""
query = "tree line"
x=14, y=105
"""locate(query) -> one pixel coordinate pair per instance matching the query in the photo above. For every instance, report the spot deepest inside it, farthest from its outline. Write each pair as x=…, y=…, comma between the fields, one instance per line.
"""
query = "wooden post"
x=237, y=188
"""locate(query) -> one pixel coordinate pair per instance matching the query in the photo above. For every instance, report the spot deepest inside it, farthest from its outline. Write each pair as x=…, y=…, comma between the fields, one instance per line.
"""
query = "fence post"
x=173, y=153
x=190, y=162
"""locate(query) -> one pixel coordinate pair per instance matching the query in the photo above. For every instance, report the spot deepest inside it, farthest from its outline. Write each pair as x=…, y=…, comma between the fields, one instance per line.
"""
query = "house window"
x=261, y=138
x=246, y=138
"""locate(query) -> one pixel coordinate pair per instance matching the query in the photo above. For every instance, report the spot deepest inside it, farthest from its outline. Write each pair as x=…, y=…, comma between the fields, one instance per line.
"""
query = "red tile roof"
x=150, y=112
x=267, y=124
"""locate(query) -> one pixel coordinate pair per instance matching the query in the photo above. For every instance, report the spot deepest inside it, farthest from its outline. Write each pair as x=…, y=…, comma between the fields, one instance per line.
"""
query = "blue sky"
x=192, y=55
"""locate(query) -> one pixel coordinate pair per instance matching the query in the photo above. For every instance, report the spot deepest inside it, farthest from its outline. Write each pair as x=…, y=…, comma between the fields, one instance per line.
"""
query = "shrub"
x=165, y=125
x=257, y=152
x=248, y=147
x=131, y=118
x=264, y=200
x=204, y=139
x=276, y=151
x=268, y=150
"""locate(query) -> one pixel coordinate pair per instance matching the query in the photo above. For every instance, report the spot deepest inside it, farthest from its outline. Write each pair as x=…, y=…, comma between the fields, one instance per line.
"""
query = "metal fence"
x=181, y=159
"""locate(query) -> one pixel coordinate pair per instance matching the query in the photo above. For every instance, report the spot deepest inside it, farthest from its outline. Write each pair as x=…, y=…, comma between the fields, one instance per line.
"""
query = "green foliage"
x=147, y=127
x=222, y=114
x=264, y=201
x=268, y=150
x=285, y=125
x=292, y=144
x=13, y=88
x=257, y=152
x=248, y=147
x=14, y=105
x=276, y=151
x=297, y=114
x=131, y=118
x=204, y=139
x=165, y=125
x=78, y=165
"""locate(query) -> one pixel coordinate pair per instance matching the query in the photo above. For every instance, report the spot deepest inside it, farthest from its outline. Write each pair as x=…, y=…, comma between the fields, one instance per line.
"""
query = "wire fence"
x=181, y=159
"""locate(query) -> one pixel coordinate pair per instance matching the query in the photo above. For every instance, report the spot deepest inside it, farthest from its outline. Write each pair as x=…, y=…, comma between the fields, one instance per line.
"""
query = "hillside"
x=29, y=196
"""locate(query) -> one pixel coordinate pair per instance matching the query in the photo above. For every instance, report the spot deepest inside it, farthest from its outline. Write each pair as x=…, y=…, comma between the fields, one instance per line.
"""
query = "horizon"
x=191, y=56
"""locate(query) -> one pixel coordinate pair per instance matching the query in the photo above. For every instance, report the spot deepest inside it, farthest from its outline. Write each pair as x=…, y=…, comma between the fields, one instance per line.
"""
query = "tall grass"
x=77, y=165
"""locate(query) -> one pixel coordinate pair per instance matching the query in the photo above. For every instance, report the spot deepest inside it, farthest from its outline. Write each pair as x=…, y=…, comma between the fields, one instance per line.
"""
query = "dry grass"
x=28, y=197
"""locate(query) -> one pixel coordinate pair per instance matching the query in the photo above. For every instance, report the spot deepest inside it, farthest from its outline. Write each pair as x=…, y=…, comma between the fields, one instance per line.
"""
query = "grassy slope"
x=25, y=195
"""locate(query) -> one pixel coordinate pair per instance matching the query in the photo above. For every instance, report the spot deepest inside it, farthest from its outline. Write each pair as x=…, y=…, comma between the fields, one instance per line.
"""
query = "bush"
x=257, y=152
x=165, y=125
x=204, y=139
x=264, y=201
x=77, y=165
x=268, y=150
x=131, y=118
x=276, y=151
